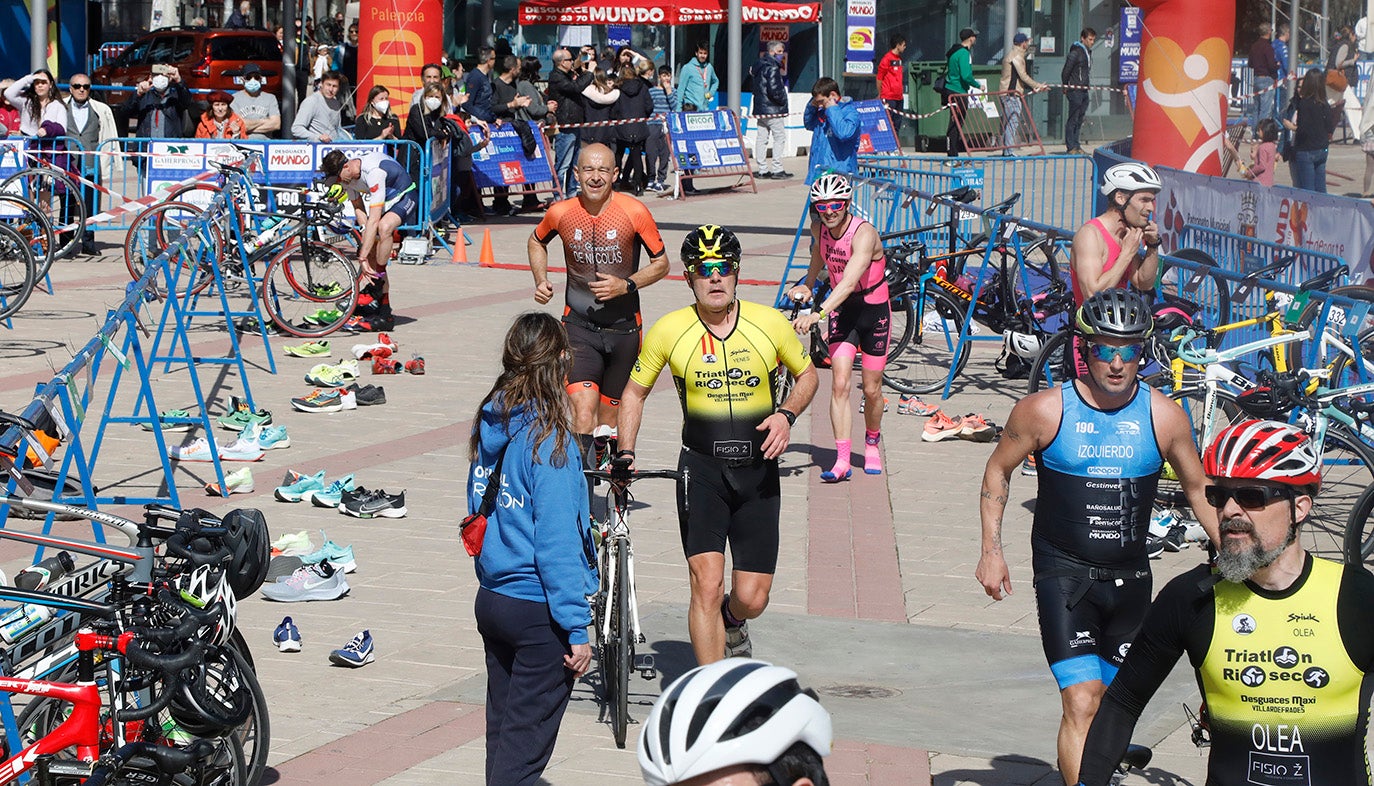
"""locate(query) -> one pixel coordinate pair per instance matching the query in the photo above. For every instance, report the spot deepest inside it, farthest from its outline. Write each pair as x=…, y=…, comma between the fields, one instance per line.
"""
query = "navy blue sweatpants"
x=527, y=686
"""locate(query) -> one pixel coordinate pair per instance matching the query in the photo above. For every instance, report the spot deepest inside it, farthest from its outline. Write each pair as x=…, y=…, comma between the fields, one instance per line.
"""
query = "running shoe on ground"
x=239, y=482
x=170, y=414
x=353, y=496
x=326, y=401
x=199, y=449
x=310, y=349
x=295, y=492
x=383, y=347
x=327, y=376
x=416, y=365
x=386, y=366
x=292, y=544
x=940, y=427
x=331, y=495
x=313, y=582
x=241, y=418
x=338, y=557
x=355, y=654
x=287, y=636
x=376, y=504
x=267, y=437
x=1029, y=467
x=241, y=450
x=368, y=395
x=976, y=429
x=913, y=405
x=282, y=566
x=369, y=324
x=324, y=316
x=886, y=402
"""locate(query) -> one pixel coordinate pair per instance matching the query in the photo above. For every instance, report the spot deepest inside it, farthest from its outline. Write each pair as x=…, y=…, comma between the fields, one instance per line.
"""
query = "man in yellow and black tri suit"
x=1280, y=639
x=723, y=354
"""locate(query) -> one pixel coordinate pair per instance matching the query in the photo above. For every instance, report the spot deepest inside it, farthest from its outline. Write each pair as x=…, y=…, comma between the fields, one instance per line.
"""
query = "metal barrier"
x=144, y=168
x=1241, y=256
x=996, y=121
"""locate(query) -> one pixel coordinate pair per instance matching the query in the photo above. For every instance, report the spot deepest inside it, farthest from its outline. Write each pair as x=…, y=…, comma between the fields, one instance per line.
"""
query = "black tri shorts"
x=865, y=325
x=1086, y=624
x=720, y=502
x=602, y=357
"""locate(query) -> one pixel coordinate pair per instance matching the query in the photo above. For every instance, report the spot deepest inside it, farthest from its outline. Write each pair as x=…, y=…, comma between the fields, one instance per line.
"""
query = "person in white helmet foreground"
x=736, y=722
x=1121, y=246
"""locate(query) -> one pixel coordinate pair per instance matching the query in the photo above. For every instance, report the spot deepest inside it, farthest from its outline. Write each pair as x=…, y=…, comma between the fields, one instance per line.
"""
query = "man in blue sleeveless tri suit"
x=1100, y=442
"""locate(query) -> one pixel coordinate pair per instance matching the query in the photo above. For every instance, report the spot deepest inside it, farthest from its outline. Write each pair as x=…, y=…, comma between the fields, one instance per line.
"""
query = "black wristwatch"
x=630, y=286
x=790, y=415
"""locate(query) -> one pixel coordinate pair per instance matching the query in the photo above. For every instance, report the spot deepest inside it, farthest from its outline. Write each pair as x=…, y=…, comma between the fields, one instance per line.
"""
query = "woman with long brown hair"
x=1312, y=121
x=38, y=100
x=537, y=563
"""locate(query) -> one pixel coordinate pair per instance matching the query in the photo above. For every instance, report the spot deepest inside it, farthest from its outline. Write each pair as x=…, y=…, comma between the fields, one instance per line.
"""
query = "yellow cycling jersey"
x=725, y=383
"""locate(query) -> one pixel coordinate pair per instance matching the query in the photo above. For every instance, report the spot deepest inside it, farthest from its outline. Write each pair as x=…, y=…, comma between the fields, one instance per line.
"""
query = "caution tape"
x=605, y=123
x=136, y=205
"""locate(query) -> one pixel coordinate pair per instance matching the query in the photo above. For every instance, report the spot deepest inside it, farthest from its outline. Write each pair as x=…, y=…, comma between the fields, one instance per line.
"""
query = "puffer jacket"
x=634, y=102
x=770, y=91
x=834, y=139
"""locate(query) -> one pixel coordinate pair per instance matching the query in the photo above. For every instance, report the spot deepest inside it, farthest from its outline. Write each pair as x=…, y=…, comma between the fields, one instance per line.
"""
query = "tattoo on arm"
x=1001, y=501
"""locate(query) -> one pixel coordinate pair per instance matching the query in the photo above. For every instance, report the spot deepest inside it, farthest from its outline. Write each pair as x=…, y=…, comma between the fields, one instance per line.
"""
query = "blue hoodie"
x=834, y=139
x=538, y=545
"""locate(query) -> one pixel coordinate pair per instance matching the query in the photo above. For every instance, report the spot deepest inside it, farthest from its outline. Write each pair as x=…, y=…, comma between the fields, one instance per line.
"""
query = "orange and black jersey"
x=725, y=384
x=608, y=243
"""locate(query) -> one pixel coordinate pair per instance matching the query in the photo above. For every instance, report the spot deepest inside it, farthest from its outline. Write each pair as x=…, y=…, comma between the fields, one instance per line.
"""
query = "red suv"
x=208, y=59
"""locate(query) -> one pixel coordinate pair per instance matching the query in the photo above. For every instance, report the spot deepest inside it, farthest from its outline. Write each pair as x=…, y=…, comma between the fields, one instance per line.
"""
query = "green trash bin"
x=924, y=97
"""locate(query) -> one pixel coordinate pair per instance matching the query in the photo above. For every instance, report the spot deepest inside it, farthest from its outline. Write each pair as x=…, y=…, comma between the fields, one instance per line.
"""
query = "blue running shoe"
x=287, y=636
x=341, y=557
x=295, y=492
x=332, y=494
x=267, y=437
x=356, y=653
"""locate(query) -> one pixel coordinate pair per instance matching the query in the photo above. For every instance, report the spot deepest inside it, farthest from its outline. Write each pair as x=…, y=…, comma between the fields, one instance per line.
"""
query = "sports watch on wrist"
x=790, y=415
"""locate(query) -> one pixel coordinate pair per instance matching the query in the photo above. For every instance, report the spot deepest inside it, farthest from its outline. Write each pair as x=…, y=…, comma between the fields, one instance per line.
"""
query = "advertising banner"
x=875, y=128
x=503, y=163
x=705, y=140
x=618, y=35
x=660, y=12
x=861, y=22
x=296, y=164
x=1303, y=219
x=770, y=33
x=395, y=40
x=1128, y=68
x=11, y=157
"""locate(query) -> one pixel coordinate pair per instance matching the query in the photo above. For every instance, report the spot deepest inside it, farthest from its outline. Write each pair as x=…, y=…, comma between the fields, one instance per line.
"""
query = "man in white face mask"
x=259, y=109
x=160, y=103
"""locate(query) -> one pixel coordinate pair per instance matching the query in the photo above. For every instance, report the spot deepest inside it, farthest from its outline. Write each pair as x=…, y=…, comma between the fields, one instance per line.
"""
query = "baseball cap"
x=967, y=33
x=250, y=68
x=1020, y=38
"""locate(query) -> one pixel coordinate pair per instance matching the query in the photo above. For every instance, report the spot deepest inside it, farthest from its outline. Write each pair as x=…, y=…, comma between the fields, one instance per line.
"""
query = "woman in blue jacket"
x=537, y=564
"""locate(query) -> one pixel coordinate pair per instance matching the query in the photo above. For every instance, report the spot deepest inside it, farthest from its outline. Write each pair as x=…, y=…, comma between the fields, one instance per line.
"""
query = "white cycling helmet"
x=206, y=587
x=1130, y=177
x=696, y=725
x=831, y=186
x=1023, y=345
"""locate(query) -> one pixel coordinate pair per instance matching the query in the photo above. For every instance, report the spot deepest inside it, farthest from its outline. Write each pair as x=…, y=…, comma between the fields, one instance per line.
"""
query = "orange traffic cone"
x=460, y=251
x=487, y=258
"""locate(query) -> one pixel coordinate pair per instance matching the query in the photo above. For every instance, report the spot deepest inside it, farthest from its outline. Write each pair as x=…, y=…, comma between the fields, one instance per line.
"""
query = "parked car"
x=208, y=59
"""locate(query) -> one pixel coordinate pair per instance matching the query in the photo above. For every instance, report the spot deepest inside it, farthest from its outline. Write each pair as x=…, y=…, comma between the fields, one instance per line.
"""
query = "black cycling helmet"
x=708, y=242
x=1116, y=313
x=251, y=545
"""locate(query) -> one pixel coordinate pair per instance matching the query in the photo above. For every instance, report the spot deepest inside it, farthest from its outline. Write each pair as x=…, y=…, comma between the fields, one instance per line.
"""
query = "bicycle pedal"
x=644, y=664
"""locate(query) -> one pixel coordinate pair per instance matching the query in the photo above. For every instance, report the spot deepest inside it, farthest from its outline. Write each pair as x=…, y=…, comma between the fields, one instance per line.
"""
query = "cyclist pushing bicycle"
x=849, y=248
x=1280, y=639
x=723, y=353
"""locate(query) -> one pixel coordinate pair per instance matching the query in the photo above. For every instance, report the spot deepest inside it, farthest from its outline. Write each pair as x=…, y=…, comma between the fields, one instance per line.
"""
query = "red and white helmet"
x=1264, y=450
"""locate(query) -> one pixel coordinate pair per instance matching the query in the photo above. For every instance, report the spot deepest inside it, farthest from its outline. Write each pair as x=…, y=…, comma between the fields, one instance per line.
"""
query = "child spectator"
x=1265, y=153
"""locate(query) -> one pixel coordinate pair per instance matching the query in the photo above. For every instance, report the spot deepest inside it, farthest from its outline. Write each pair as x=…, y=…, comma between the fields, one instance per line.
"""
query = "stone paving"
x=875, y=602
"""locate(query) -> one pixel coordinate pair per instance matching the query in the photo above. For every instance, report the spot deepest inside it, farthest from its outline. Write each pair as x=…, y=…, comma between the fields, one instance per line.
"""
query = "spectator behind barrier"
x=37, y=99
x=566, y=82
x=770, y=98
x=320, y=117
x=91, y=123
x=432, y=74
x=834, y=125
x=220, y=121
x=697, y=82
x=479, y=86
x=259, y=110
x=9, y=116
x=377, y=120
x=242, y=18
x=634, y=103
x=160, y=106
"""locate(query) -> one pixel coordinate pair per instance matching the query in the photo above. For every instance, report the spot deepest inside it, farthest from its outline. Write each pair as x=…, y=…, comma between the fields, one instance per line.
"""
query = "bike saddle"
x=1136, y=757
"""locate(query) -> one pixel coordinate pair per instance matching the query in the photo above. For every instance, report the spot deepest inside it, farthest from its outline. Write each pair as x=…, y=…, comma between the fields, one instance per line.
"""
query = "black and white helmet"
x=1131, y=176
x=701, y=722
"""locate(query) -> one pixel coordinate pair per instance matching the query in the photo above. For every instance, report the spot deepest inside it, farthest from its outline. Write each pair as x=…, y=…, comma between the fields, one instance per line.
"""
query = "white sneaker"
x=239, y=482
x=198, y=449
x=241, y=450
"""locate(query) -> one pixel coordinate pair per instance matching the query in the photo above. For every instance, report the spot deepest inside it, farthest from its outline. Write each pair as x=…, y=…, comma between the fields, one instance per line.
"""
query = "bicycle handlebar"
x=170, y=760
x=602, y=474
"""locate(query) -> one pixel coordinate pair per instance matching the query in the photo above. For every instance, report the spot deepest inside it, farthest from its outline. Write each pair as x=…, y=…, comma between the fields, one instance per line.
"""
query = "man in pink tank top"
x=1121, y=246
x=849, y=249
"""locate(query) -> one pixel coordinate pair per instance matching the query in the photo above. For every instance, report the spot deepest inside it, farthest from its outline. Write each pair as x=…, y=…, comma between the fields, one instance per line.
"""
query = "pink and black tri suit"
x=863, y=322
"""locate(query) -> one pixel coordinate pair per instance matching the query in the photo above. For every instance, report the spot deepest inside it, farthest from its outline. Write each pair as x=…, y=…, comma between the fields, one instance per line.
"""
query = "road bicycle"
x=17, y=271
x=308, y=289
x=154, y=552
x=615, y=609
x=1023, y=294
x=59, y=201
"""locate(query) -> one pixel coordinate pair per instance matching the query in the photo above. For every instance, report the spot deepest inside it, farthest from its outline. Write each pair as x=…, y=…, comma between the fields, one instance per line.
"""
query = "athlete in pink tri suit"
x=849, y=249
x=1107, y=250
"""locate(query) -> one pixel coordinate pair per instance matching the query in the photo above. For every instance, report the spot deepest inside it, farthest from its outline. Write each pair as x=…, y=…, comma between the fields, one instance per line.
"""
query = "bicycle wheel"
x=154, y=230
x=28, y=220
x=1347, y=470
x=624, y=650
x=17, y=272
x=59, y=199
x=310, y=289
x=1054, y=364
x=1336, y=318
x=1359, y=529
x=903, y=322
x=255, y=735
x=926, y=360
x=1204, y=289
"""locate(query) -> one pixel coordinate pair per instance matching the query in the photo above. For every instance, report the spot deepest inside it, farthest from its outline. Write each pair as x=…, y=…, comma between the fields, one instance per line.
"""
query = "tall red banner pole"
x=395, y=40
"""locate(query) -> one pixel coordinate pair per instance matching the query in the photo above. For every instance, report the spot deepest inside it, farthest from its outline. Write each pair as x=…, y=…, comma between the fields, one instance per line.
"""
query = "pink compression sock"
x=841, y=469
x=873, y=458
